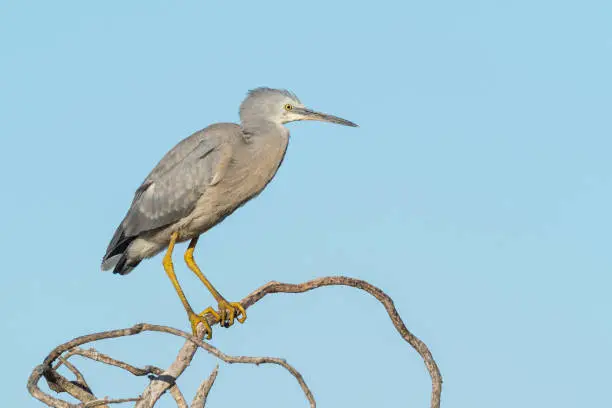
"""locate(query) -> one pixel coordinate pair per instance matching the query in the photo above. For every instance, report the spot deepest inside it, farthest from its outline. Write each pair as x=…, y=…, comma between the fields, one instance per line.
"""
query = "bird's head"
x=281, y=106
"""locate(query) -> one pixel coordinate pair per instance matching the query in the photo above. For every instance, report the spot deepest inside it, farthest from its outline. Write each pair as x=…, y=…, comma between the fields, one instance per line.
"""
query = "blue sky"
x=476, y=192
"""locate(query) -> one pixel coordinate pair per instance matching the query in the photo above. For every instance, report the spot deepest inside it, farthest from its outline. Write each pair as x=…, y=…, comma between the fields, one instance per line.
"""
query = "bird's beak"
x=307, y=114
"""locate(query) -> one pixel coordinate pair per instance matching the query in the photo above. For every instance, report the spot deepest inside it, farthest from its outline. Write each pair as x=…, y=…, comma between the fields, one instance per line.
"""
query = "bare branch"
x=105, y=401
x=59, y=383
x=79, y=376
x=199, y=401
x=178, y=397
x=95, y=355
x=152, y=392
x=33, y=389
x=158, y=386
x=382, y=297
x=166, y=379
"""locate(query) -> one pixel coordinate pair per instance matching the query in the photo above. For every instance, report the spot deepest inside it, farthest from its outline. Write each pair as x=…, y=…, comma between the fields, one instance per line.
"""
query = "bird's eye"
x=288, y=107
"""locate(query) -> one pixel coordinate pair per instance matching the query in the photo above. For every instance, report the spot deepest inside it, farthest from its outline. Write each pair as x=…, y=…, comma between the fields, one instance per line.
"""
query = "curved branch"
x=59, y=383
x=146, y=397
x=95, y=355
x=166, y=378
x=36, y=392
x=382, y=297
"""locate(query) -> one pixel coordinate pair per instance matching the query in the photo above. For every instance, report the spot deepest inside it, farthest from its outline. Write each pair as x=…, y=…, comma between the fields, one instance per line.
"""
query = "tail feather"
x=110, y=263
x=116, y=256
x=123, y=267
x=118, y=243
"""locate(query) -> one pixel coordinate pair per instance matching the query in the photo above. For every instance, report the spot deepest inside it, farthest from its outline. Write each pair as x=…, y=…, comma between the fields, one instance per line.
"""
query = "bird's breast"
x=258, y=165
x=248, y=174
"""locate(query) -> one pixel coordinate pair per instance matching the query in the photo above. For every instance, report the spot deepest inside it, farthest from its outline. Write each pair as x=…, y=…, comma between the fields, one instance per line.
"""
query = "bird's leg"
x=169, y=268
x=228, y=311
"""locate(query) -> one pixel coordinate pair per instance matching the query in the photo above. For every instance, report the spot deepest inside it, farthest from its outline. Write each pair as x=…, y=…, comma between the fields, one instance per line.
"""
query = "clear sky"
x=476, y=192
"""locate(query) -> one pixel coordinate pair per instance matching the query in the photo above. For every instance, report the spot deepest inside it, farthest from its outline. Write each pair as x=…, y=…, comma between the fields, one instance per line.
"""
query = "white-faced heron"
x=202, y=180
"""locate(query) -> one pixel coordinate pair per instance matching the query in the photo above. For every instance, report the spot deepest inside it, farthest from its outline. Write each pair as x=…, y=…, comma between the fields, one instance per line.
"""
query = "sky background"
x=476, y=192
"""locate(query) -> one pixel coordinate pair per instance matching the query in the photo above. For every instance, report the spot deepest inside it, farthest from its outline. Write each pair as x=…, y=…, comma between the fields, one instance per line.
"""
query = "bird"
x=202, y=180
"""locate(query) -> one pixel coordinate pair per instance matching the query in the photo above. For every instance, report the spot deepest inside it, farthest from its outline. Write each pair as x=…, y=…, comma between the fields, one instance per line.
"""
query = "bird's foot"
x=228, y=311
x=201, y=318
x=225, y=316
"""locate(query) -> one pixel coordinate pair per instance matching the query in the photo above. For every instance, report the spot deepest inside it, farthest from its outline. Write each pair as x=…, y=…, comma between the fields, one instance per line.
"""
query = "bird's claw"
x=201, y=318
x=228, y=311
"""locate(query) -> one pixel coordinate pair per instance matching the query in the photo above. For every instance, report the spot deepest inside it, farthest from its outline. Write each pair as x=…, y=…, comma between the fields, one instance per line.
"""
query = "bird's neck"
x=265, y=131
x=266, y=144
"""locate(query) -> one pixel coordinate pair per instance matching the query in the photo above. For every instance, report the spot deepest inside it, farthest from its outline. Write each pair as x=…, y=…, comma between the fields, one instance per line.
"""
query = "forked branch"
x=165, y=380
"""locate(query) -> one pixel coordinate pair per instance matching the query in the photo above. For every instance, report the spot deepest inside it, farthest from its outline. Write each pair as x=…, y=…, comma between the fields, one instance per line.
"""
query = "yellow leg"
x=228, y=311
x=169, y=268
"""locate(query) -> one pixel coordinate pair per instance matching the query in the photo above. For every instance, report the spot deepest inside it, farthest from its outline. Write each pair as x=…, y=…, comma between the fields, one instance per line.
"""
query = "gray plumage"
x=207, y=176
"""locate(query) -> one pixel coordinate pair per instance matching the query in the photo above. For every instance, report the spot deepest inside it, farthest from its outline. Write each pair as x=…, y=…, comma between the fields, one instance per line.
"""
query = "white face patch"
x=291, y=115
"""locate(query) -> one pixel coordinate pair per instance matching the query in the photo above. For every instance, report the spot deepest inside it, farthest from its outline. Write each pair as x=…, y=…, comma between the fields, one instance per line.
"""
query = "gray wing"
x=173, y=187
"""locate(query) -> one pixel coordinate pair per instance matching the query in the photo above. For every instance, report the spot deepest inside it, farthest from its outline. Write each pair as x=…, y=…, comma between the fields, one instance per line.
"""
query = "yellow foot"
x=201, y=318
x=228, y=311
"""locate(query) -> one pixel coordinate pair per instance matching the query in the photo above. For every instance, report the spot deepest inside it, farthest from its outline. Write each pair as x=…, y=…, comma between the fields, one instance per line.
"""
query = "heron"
x=202, y=180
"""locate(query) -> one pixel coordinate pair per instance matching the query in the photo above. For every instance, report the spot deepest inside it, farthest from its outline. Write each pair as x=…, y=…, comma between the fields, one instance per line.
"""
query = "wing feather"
x=173, y=187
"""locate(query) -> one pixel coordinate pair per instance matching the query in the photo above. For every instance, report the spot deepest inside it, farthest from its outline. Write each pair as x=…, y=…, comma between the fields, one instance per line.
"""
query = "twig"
x=199, y=401
x=105, y=401
x=80, y=379
x=95, y=355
